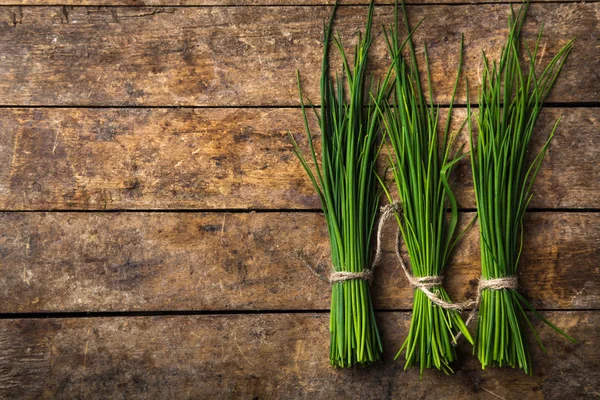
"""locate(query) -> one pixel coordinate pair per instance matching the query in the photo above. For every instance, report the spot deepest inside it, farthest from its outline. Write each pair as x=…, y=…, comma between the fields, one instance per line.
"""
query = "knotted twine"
x=426, y=283
x=367, y=273
x=423, y=283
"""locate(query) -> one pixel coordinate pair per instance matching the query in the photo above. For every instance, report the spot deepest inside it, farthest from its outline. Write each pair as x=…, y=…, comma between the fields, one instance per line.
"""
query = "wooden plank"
x=79, y=262
x=87, y=159
x=238, y=56
x=225, y=3
x=266, y=356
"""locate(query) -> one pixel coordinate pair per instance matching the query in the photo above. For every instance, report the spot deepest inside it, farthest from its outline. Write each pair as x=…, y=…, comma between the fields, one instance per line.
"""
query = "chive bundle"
x=347, y=185
x=421, y=165
x=509, y=104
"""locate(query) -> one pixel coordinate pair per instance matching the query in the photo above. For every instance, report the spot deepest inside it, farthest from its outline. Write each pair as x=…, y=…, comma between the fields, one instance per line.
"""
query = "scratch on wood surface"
x=241, y=352
x=583, y=251
x=223, y=227
x=14, y=153
x=26, y=276
x=85, y=352
x=196, y=335
x=542, y=54
x=218, y=248
x=26, y=273
x=299, y=351
x=266, y=113
x=56, y=140
x=492, y=393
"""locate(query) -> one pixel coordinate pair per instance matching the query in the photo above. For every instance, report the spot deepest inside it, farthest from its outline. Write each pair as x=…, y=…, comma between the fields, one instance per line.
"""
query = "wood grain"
x=246, y=56
x=79, y=262
x=225, y=3
x=266, y=356
x=245, y=271
x=95, y=159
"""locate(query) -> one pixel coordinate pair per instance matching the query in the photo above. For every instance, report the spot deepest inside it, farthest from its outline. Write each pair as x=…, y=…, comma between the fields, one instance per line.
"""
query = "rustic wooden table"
x=154, y=220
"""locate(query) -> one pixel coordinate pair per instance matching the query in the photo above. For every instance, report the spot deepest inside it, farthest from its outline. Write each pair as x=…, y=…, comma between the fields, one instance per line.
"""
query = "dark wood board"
x=266, y=356
x=246, y=56
x=81, y=262
x=95, y=159
x=247, y=3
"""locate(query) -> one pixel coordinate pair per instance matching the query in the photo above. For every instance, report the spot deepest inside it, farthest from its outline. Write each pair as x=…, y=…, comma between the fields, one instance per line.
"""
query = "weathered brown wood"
x=225, y=3
x=224, y=56
x=267, y=356
x=66, y=262
x=223, y=159
x=239, y=158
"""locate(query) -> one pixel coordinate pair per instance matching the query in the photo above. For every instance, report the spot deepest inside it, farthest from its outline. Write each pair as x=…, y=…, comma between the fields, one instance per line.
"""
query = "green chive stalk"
x=347, y=185
x=424, y=153
x=510, y=101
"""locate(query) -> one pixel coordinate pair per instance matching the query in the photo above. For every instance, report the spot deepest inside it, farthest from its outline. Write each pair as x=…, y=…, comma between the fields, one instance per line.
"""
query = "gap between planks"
x=260, y=210
x=131, y=314
x=575, y=104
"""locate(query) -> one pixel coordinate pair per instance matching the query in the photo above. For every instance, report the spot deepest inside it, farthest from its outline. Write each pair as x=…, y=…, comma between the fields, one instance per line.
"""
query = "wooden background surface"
x=154, y=221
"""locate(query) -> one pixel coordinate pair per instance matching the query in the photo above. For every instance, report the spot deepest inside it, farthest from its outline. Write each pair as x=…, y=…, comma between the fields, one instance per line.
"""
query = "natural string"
x=423, y=283
x=365, y=274
x=426, y=283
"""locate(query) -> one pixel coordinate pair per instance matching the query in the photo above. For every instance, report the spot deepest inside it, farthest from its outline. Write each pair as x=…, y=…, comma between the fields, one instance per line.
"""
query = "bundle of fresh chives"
x=347, y=185
x=509, y=104
x=421, y=164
